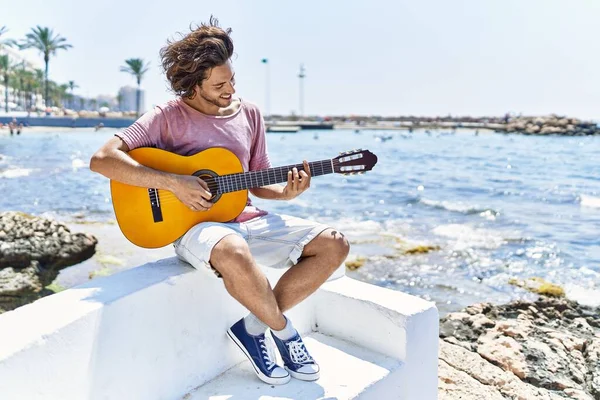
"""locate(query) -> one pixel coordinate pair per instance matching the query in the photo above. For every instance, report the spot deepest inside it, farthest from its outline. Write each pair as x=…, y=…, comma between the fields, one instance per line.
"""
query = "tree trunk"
x=46, y=98
x=137, y=99
x=6, y=93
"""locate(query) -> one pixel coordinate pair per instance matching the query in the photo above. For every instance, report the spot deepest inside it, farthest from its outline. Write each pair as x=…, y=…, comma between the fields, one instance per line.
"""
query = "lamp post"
x=301, y=76
x=267, y=90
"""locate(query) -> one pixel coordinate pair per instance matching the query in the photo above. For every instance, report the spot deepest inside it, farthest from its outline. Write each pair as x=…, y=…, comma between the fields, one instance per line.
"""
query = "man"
x=206, y=114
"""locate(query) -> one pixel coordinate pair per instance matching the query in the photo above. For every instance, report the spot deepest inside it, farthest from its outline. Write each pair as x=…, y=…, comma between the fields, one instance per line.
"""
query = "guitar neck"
x=254, y=179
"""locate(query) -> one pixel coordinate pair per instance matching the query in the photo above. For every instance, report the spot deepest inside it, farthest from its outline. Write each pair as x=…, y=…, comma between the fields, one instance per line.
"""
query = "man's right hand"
x=193, y=192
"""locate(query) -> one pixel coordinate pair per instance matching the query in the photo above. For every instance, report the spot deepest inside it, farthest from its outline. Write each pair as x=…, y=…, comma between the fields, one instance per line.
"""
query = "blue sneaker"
x=296, y=359
x=259, y=350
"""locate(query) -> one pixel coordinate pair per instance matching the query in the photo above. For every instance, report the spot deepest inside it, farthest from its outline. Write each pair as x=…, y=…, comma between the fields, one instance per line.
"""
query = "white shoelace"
x=298, y=352
x=266, y=346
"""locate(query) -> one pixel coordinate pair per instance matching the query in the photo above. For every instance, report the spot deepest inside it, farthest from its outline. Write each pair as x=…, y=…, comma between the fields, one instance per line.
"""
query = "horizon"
x=427, y=59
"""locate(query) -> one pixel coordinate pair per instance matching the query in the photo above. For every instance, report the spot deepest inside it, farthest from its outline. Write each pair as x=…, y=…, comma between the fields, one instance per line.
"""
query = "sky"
x=369, y=57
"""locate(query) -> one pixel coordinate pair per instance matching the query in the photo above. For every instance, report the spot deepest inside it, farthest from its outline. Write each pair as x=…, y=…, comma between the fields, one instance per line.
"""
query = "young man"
x=206, y=114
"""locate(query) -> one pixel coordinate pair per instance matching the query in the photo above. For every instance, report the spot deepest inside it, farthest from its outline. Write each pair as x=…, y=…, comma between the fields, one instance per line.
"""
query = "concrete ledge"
x=157, y=332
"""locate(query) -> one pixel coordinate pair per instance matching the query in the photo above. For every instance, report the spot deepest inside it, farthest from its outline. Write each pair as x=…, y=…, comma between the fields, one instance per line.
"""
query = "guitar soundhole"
x=209, y=177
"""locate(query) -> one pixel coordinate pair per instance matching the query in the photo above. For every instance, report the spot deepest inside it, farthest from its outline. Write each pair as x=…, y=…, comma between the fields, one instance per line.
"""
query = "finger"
x=205, y=204
x=206, y=195
x=304, y=179
x=296, y=176
x=307, y=168
x=205, y=187
x=290, y=179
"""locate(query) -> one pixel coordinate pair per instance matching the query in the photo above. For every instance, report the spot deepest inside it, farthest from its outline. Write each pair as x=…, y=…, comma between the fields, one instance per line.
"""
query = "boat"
x=283, y=128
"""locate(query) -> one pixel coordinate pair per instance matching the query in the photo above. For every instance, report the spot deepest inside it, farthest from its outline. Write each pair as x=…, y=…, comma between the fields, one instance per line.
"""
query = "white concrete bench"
x=158, y=332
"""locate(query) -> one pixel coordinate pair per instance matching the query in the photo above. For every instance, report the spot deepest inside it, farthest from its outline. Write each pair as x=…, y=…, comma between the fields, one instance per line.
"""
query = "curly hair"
x=187, y=61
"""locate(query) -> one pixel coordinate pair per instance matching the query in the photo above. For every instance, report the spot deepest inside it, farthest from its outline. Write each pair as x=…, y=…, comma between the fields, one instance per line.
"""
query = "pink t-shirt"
x=181, y=129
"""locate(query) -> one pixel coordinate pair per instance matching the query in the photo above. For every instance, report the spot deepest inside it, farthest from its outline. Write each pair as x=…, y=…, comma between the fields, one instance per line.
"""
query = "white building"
x=17, y=58
x=128, y=99
x=108, y=101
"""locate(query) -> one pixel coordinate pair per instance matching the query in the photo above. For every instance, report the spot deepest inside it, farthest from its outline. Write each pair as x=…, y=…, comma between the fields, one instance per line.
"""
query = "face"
x=218, y=88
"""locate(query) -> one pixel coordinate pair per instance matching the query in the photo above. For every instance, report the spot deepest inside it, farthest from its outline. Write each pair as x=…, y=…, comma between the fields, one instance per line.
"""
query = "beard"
x=216, y=101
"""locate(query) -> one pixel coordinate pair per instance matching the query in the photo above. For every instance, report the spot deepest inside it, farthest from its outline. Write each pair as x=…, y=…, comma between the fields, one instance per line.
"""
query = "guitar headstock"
x=354, y=162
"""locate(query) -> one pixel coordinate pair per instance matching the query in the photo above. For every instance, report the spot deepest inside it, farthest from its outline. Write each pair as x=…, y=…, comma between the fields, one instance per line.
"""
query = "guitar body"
x=153, y=218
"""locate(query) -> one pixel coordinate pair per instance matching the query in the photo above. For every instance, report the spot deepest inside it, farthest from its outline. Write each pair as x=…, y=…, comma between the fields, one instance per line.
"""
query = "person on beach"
x=207, y=114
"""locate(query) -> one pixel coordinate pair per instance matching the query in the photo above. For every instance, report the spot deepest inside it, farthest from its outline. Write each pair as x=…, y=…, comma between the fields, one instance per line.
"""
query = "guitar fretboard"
x=254, y=179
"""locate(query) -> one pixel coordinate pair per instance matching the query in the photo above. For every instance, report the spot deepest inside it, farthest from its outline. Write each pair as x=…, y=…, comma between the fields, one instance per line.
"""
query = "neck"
x=199, y=104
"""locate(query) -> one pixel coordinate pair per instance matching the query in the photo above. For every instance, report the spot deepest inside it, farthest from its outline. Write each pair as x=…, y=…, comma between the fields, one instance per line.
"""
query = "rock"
x=32, y=252
x=493, y=380
x=548, y=349
x=551, y=125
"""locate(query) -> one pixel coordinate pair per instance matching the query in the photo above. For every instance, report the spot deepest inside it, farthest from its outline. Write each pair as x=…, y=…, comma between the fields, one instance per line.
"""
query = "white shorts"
x=275, y=241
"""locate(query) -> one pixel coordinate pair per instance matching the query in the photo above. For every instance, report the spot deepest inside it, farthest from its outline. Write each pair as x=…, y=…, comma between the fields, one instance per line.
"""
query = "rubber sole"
x=304, y=377
x=261, y=376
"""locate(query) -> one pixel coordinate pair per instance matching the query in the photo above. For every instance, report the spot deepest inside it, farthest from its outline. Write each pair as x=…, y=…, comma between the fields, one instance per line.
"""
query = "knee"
x=336, y=245
x=231, y=251
x=342, y=248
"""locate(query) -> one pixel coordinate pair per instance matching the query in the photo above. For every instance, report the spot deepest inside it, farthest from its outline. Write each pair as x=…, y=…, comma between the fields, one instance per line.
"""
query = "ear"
x=196, y=91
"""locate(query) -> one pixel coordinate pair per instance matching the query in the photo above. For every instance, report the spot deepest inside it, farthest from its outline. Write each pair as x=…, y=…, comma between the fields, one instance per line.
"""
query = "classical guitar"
x=154, y=218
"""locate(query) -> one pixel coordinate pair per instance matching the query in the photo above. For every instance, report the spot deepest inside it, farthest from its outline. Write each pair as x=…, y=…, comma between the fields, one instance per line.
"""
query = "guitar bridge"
x=155, y=205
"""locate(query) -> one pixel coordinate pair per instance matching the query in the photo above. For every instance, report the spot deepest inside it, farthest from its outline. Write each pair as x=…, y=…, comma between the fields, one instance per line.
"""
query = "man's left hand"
x=297, y=182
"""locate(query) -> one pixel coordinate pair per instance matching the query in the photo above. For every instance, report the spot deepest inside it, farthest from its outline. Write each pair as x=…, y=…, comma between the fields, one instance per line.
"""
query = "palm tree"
x=5, y=42
x=44, y=40
x=19, y=75
x=119, y=100
x=72, y=86
x=136, y=67
x=5, y=72
x=61, y=93
x=28, y=86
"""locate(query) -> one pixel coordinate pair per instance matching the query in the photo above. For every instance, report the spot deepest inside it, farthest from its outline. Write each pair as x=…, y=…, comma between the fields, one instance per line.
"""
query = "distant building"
x=109, y=101
x=18, y=101
x=128, y=99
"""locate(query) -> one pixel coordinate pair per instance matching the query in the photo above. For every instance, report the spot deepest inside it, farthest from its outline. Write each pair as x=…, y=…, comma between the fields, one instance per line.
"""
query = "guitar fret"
x=270, y=176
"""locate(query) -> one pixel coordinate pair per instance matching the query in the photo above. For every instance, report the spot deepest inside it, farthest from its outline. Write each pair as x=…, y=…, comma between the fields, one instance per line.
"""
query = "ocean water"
x=492, y=207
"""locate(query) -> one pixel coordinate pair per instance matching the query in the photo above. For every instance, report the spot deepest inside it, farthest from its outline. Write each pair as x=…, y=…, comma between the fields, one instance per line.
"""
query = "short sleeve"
x=146, y=131
x=259, y=157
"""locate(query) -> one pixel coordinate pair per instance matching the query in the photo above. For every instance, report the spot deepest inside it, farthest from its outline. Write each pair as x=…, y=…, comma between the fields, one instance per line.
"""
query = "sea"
x=453, y=216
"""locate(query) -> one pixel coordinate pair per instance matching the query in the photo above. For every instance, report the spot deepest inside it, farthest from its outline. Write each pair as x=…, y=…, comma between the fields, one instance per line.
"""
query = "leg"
x=244, y=280
x=223, y=247
x=320, y=258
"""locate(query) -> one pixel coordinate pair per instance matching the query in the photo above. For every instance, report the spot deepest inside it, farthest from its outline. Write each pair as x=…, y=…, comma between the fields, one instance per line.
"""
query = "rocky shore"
x=548, y=349
x=32, y=252
x=550, y=125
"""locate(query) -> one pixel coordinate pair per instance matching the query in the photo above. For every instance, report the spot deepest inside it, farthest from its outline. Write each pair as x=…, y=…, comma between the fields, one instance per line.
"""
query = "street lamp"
x=267, y=105
x=301, y=76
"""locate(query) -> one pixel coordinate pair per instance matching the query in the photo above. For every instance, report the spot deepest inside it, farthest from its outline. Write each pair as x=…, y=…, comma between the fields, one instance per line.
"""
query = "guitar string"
x=232, y=181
